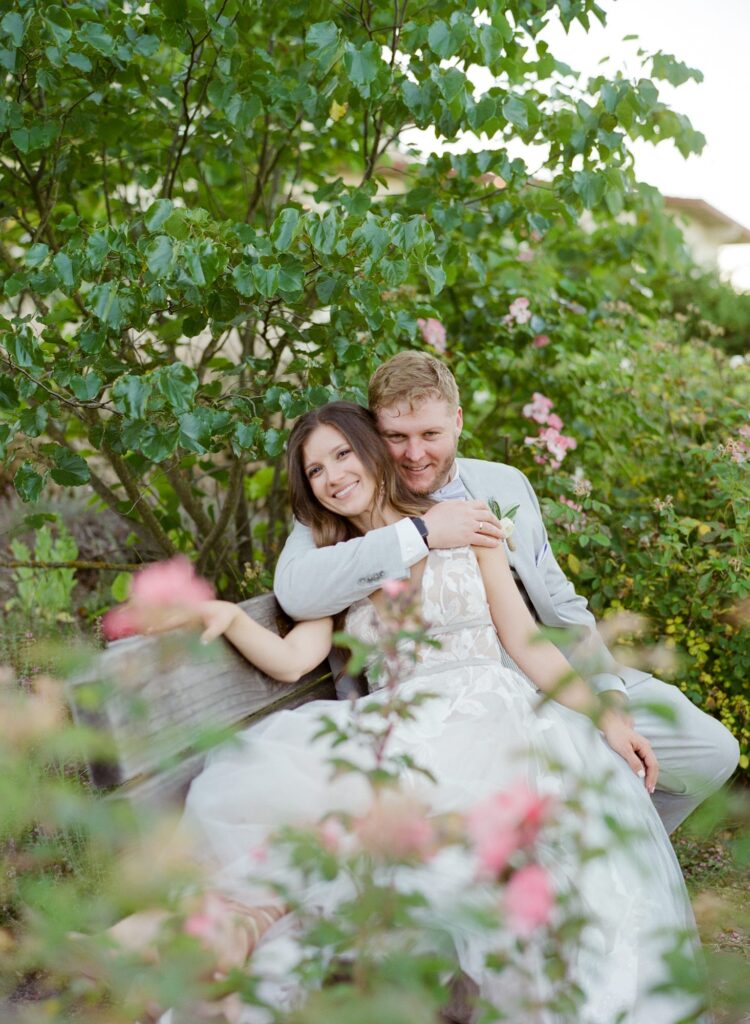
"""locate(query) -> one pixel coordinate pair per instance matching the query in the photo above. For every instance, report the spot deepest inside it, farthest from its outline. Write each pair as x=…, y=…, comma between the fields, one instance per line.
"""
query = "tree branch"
x=227, y=511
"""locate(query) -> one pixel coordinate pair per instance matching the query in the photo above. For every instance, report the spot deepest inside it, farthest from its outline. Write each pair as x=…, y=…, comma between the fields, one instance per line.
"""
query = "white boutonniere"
x=506, y=520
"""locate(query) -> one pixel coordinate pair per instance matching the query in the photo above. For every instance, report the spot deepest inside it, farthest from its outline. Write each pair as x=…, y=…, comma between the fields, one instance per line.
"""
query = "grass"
x=717, y=872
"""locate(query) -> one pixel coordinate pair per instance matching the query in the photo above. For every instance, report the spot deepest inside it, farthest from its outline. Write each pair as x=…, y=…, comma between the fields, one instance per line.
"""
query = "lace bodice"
x=455, y=609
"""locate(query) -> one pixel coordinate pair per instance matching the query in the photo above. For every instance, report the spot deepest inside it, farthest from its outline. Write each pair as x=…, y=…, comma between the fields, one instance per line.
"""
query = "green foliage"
x=44, y=597
x=205, y=235
x=650, y=514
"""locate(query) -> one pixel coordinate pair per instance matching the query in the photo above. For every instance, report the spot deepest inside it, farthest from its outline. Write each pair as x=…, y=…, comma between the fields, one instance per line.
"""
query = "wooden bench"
x=152, y=698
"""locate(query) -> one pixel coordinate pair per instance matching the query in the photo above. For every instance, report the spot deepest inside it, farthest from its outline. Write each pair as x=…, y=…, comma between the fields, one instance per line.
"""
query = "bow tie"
x=454, y=490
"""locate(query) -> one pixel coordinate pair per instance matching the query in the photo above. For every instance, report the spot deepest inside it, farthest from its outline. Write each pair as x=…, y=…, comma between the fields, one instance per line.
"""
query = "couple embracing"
x=381, y=495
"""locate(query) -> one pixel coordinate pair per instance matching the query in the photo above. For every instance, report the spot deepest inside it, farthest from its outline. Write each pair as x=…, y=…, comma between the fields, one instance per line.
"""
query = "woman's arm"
x=545, y=665
x=520, y=636
x=284, y=658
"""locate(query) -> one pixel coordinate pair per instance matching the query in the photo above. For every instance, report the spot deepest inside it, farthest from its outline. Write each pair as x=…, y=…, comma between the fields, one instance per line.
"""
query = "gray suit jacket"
x=313, y=582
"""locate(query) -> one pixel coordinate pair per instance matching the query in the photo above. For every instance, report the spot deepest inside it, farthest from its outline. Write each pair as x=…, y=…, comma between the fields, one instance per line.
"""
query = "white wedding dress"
x=484, y=731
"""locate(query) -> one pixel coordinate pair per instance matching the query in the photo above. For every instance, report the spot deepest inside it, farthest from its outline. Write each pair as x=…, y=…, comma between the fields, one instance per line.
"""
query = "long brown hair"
x=360, y=430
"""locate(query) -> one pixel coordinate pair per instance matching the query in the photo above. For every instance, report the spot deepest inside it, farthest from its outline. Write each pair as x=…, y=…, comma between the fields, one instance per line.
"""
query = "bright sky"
x=712, y=35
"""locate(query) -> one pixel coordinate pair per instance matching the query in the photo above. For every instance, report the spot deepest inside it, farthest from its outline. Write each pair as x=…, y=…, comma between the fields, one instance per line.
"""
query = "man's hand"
x=456, y=524
x=630, y=745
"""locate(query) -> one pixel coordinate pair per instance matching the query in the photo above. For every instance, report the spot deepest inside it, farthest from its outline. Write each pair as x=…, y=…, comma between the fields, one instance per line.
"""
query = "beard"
x=431, y=478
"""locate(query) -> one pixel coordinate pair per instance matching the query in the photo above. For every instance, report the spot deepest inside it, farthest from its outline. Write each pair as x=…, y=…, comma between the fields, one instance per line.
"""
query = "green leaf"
x=436, y=278
x=28, y=483
x=156, y=442
x=284, y=229
x=70, y=469
x=159, y=255
x=12, y=24
x=322, y=231
x=446, y=40
x=178, y=383
x=130, y=394
x=8, y=395
x=266, y=279
x=103, y=302
x=64, y=267
x=86, y=387
x=322, y=41
x=120, y=588
x=273, y=442
x=59, y=23
x=79, y=60
x=96, y=35
x=242, y=275
x=362, y=65
x=514, y=110
x=37, y=254
x=158, y=213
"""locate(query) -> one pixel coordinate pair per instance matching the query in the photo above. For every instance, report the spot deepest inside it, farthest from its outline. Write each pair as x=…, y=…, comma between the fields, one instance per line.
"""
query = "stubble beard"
x=437, y=480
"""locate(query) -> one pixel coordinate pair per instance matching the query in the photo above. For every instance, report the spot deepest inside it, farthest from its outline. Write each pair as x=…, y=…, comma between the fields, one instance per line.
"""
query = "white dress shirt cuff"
x=413, y=548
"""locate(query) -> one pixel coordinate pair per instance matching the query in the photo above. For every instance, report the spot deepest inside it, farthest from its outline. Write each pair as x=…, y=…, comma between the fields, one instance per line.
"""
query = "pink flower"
x=119, y=623
x=171, y=582
x=570, y=503
x=433, y=333
x=538, y=409
x=553, y=420
x=395, y=588
x=744, y=430
x=529, y=899
x=557, y=444
x=331, y=834
x=540, y=340
x=519, y=310
x=504, y=823
x=396, y=828
x=525, y=255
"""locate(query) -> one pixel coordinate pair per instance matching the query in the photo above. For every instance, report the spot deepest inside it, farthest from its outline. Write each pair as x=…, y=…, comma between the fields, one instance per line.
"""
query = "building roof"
x=700, y=210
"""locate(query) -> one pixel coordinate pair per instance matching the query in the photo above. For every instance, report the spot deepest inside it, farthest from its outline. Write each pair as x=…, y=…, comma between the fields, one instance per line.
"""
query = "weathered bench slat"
x=153, y=696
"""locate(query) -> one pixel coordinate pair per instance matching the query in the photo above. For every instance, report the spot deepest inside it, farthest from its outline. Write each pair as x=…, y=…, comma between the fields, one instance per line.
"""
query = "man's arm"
x=311, y=582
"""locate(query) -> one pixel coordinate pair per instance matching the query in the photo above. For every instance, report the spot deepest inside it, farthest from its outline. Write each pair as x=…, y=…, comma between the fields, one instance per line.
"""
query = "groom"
x=416, y=402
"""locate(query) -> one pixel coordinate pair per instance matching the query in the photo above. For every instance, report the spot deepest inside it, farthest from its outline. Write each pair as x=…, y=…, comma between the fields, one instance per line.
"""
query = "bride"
x=485, y=729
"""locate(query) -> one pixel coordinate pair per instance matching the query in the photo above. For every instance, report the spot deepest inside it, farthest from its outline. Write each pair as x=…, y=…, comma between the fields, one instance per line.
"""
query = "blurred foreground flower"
x=396, y=828
x=529, y=899
x=506, y=822
x=158, y=584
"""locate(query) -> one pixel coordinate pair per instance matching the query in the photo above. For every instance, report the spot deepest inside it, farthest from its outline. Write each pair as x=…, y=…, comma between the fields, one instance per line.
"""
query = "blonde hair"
x=412, y=378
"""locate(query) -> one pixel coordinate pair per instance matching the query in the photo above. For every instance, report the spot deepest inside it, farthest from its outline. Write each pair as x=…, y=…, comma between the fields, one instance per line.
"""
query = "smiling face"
x=337, y=477
x=422, y=441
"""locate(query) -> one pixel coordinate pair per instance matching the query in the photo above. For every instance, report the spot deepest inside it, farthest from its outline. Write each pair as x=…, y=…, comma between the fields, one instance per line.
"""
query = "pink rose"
x=171, y=582
x=156, y=585
x=540, y=340
x=553, y=420
x=538, y=409
x=503, y=823
x=331, y=834
x=433, y=333
x=396, y=828
x=119, y=623
x=519, y=310
x=557, y=444
x=395, y=588
x=529, y=899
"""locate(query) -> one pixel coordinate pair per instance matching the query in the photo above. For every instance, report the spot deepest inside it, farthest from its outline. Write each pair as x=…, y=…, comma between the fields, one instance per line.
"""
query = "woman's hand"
x=213, y=617
x=631, y=746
